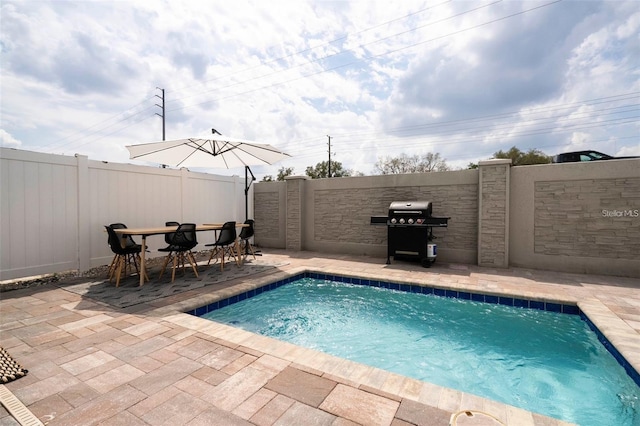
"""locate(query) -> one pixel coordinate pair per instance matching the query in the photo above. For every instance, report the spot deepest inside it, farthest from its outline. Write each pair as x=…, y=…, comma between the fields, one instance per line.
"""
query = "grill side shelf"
x=437, y=221
x=379, y=220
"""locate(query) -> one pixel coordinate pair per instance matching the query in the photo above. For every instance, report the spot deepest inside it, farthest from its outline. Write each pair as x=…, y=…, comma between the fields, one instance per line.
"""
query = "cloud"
x=86, y=66
x=8, y=141
x=629, y=151
x=512, y=64
x=460, y=78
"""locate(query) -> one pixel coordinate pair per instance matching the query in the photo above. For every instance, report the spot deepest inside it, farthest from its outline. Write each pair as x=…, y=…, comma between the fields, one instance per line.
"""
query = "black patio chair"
x=225, y=244
x=179, y=249
x=128, y=239
x=169, y=235
x=124, y=255
x=245, y=234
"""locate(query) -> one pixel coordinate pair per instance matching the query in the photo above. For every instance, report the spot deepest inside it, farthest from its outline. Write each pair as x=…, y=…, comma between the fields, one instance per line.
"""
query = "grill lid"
x=420, y=209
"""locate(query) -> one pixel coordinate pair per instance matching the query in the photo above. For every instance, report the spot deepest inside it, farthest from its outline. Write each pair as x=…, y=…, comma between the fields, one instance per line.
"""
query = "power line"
x=466, y=139
x=299, y=52
x=407, y=129
x=364, y=59
x=489, y=153
x=83, y=135
x=490, y=118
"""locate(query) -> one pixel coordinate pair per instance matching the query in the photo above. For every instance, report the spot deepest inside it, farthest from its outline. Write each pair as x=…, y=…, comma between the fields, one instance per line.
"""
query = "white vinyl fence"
x=53, y=208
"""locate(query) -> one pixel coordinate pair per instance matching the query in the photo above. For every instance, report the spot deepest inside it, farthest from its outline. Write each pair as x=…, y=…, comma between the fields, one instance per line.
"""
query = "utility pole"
x=161, y=115
x=329, y=174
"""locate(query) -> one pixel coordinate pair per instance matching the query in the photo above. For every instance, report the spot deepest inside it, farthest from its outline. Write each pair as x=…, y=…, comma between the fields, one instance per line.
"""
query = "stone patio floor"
x=91, y=363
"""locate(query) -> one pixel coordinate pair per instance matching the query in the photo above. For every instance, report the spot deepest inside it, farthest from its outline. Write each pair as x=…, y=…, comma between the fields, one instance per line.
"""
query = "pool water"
x=545, y=362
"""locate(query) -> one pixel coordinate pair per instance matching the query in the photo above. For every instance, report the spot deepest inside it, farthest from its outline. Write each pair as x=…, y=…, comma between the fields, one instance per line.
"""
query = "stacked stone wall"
x=588, y=218
x=494, y=187
x=267, y=212
x=582, y=218
x=344, y=215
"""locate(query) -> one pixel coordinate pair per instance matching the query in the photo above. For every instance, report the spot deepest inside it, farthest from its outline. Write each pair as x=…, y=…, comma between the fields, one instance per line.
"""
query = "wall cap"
x=494, y=162
x=297, y=177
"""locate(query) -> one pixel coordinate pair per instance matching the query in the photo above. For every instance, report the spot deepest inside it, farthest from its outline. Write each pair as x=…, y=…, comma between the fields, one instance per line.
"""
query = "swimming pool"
x=540, y=361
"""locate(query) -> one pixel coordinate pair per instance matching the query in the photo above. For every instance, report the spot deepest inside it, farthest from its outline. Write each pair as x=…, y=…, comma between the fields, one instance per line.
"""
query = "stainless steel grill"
x=410, y=231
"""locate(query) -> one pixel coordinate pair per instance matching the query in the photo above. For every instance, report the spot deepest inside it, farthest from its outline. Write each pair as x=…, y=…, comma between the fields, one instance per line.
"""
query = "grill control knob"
x=402, y=220
x=410, y=221
x=393, y=220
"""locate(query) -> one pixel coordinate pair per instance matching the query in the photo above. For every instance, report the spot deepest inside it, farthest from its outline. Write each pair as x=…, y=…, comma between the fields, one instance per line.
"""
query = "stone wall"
x=294, y=212
x=270, y=207
x=343, y=215
x=352, y=210
x=493, y=221
x=268, y=213
x=576, y=217
x=588, y=217
x=567, y=217
x=334, y=215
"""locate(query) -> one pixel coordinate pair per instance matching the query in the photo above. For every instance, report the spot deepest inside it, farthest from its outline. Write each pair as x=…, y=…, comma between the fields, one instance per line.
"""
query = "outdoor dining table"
x=161, y=230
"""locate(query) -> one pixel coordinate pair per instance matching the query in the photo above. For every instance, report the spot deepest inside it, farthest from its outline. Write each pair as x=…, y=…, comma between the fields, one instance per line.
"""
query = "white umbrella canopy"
x=213, y=152
x=216, y=151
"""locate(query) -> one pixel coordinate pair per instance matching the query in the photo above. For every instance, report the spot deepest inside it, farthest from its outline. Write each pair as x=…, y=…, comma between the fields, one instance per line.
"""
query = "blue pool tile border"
x=412, y=288
x=612, y=350
x=409, y=288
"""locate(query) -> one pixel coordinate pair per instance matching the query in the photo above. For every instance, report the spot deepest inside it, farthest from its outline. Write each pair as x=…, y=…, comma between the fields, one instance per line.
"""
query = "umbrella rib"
x=229, y=148
x=221, y=150
x=196, y=148
x=224, y=148
x=255, y=156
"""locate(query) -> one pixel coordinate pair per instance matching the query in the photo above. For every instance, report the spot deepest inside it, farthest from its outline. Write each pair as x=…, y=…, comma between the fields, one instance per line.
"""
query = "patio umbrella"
x=216, y=151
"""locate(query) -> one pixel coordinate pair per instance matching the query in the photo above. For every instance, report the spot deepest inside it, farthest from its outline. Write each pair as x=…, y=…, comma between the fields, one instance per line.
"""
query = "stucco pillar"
x=294, y=212
x=493, y=213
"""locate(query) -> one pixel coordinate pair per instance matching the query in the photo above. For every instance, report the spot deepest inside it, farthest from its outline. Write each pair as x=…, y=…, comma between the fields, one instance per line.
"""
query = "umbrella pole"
x=246, y=194
x=247, y=185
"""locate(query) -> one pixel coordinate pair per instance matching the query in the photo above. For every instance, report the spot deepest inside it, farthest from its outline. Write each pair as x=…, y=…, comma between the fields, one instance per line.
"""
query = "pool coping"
x=619, y=335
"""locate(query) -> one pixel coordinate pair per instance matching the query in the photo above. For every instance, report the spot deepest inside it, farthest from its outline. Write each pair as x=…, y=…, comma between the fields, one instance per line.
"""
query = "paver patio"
x=151, y=364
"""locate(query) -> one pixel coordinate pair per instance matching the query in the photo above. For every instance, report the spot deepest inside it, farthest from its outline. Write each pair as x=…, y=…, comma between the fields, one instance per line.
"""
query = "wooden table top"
x=168, y=229
x=164, y=229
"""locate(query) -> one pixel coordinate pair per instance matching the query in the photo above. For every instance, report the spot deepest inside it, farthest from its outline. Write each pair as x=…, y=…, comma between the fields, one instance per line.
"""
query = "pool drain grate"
x=17, y=409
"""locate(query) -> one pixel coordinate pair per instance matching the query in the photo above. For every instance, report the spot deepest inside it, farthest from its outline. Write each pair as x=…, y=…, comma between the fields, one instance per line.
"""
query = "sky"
x=381, y=78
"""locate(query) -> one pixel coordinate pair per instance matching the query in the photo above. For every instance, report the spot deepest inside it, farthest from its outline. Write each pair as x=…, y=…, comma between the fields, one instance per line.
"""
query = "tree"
x=519, y=158
x=321, y=170
x=428, y=162
x=282, y=173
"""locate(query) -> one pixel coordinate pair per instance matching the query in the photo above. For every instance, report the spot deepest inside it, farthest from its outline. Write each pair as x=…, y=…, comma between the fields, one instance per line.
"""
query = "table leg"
x=143, y=263
x=236, y=248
